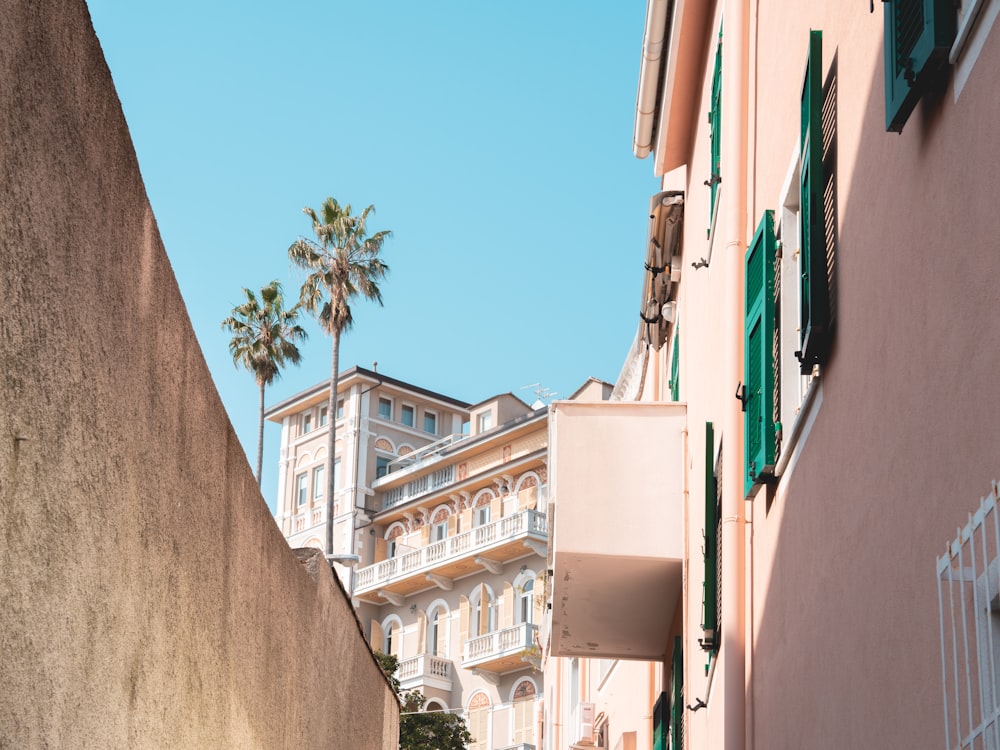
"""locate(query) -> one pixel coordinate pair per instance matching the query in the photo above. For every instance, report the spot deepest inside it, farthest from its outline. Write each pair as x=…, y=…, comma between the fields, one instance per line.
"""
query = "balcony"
x=500, y=651
x=483, y=547
x=616, y=482
x=417, y=487
x=425, y=671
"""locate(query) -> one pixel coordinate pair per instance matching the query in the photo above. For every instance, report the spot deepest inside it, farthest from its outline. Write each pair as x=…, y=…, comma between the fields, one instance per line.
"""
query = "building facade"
x=450, y=531
x=804, y=542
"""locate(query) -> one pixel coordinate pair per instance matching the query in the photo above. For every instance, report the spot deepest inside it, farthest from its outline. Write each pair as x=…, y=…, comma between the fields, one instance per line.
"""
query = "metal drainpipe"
x=734, y=226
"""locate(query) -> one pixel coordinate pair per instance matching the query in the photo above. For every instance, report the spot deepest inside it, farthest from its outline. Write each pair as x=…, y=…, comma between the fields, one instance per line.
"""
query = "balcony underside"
x=614, y=608
x=616, y=487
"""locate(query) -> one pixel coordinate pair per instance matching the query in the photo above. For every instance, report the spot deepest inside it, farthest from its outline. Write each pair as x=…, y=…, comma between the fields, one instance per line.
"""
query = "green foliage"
x=437, y=730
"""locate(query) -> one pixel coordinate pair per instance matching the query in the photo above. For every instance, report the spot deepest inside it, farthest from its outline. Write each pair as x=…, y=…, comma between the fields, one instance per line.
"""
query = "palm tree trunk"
x=331, y=438
x=260, y=436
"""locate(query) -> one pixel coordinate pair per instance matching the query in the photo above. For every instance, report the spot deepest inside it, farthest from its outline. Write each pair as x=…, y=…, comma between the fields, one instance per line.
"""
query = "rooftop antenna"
x=375, y=366
x=541, y=393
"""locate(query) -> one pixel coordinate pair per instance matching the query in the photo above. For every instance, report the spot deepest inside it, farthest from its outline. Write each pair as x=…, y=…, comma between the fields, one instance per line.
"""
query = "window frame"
x=305, y=424
x=301, y=489
x=433, y=416
x=388, y=401
x=317, y=482
x=413, y=415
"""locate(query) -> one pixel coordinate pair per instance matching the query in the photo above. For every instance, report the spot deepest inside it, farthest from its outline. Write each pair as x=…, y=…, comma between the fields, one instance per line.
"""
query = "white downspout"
x=734, y=227
x=653, y=43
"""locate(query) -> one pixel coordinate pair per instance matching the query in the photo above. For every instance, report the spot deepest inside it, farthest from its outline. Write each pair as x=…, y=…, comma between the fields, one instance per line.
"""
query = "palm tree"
x=264, y=336
x=342, y=262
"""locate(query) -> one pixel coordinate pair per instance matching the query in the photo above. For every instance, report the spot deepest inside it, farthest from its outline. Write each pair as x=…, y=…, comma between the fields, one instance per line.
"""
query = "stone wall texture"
x=147, y=598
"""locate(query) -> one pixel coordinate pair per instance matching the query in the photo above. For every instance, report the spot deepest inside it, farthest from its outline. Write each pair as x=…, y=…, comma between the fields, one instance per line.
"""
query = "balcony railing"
x=500, y=643
x=419, y=486
x=424, y=668
x=478, y=539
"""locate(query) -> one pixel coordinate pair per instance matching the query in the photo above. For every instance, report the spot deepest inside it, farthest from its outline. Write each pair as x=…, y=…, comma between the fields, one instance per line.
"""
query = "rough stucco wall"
x=148, y=599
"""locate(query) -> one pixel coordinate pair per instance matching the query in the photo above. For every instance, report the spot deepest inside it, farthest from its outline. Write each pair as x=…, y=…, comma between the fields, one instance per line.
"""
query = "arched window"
x=479, y=721
x=524, y=712
x=526, y=602
x=484, y=611
x=437, y=631
x=392, y=629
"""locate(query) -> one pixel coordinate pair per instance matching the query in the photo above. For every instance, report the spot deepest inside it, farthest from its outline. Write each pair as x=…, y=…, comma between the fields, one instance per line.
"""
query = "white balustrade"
x=478, y=539
x=499, y=643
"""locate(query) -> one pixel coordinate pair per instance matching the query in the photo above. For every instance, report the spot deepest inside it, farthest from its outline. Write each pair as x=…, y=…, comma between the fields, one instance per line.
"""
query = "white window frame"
x=975, y=21
x=378, y=459
x=301, y=489
x=430, y=414
x=324, y=416
x=413, y=415
x=340, y=408
x=317, y=482
x=484, y=421
x=385, y=400
x=307, y=423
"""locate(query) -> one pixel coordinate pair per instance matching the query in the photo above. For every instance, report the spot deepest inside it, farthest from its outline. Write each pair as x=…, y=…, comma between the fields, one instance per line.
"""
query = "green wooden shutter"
x=758, y=341
x=677, y=697
x=918, y=35
x=659, y=725
x=709, y=610
x=675, y=369
x=715, y=127
x=814, y=292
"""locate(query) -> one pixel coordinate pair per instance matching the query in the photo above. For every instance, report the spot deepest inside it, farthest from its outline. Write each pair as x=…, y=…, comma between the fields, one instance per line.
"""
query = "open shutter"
x=814, y=292
x=484, y=610
x=715, y=128
x=463, y=623
x=441, y=646
x=507, y=610
x=709, y=609
x=758, y=342
x=381, y=549
x=376, y=636
x=421, y=632
x=465, y=521
x=660, y=725
x=496, y=509
x=918, y=36
x=677, y=697
x=675, y=368
x=538, y=600
x=453, y=524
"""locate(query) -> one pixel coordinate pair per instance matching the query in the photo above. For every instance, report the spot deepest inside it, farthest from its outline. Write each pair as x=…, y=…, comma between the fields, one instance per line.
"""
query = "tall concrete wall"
x=147, y=598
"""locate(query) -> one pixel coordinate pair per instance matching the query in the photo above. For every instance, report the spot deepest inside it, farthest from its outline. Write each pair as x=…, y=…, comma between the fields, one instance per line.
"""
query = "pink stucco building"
x=780, y=533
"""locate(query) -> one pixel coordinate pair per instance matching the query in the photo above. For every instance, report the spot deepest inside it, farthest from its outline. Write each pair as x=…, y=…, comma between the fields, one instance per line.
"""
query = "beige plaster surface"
x=148, y=599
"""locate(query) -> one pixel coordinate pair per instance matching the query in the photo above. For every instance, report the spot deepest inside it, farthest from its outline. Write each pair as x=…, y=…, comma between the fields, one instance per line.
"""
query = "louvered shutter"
x=918, y=36
x=715, y=128
x=463, y=623
x=758, y=349
x=710, y=592
x=675, y=368
x=421, y=632
x=677, y=697
x=507, y=609
x=376, y=636
x=814, y=292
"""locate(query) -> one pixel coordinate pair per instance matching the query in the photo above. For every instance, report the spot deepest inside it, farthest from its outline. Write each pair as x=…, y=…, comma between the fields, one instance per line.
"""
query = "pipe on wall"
x=734, y=228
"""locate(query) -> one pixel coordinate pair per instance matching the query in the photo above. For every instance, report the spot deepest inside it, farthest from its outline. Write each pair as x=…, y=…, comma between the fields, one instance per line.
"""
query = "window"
x=968, y=581
x=526, y=602
x=660, y=727
x=715, y=130
x=318, y=482
x=381, y=466
x=340, y=409
x=918, y=38
x=484, y=421
x=324, y=415
x=975, y=21
x=440, y=531
x=302, y=488
x=406, y=415
x=758, y=395
x=306, y=423
x=482, y=515
x=430, y=422
x=479, y=721
x=336, y=474
x=439, y=632
x=385, y=408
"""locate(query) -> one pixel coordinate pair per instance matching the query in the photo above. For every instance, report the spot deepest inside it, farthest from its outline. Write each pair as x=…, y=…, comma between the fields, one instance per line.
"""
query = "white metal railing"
x=431, y=449
x=968, y=586
x=499, y=643
x=525, y=523
x=423, y=666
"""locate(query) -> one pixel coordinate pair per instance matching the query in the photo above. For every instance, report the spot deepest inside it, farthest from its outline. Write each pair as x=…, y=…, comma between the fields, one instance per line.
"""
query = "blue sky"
x=494, y=140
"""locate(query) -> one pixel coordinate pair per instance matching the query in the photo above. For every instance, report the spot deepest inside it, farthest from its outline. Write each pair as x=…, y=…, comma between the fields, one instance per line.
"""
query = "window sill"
x=801, y=427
